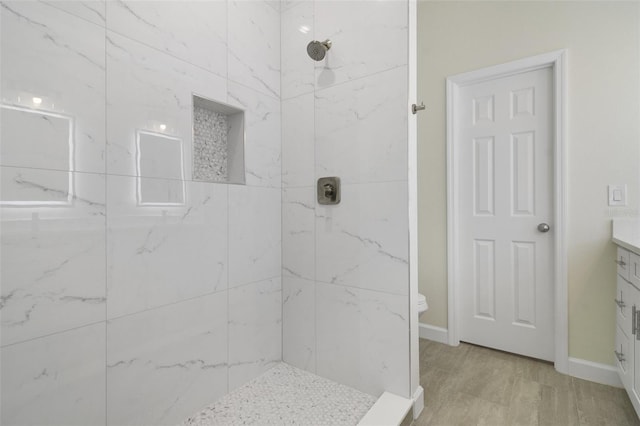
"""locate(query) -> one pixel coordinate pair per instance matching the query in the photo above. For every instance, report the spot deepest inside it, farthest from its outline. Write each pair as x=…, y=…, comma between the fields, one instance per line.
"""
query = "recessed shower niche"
x=218, y=142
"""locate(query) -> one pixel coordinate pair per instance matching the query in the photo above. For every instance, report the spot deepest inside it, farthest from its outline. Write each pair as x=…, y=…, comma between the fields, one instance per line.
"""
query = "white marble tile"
x=166, y=252
x=53, y=70
x=52, y=265
x=285, y=395
x=151, y=91
x=361, y=129
x=275, y=4
x=254, y=45
x=254, y=234
x=92, y=10
x=299, y=323
x=298, y=69
x=367, y=36
x=262, y=148
x=255, y=330
x=50, y=136
x=288, y=4
x=363, y=241
x=164, y=364
x=55, y=380
x=298, y=232
x=194, y=31
x=363, y=339
x=298, y=141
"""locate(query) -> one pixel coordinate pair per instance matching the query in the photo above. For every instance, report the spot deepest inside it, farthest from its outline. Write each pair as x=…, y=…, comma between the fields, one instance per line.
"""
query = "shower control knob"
x=329, y=190
x=543, y=227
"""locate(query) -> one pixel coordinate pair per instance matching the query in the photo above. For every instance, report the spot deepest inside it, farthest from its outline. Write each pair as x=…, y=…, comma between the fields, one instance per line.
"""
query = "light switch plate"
x=617, y=195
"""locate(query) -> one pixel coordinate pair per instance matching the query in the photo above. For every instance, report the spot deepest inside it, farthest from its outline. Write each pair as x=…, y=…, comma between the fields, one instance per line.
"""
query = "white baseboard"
x=437, y=334
x=418, y=402
x=594, y=372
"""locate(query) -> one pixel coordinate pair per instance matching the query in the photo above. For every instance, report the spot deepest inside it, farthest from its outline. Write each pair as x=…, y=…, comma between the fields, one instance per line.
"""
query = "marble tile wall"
x=125, y=283
x=345, y=267
x=131, y=293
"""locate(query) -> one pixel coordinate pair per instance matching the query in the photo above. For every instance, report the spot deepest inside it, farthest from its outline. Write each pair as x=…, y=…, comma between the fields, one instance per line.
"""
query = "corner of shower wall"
x=346, y=116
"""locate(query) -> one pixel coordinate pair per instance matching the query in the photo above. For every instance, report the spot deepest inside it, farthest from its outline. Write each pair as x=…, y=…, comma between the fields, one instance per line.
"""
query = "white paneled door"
x=503, y=130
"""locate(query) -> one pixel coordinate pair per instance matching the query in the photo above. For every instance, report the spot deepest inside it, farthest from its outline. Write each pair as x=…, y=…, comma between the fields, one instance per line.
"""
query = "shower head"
x=317, y=49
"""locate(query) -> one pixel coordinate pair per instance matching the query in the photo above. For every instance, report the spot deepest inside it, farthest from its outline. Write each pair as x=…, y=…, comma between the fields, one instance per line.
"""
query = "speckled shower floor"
x=285, y=395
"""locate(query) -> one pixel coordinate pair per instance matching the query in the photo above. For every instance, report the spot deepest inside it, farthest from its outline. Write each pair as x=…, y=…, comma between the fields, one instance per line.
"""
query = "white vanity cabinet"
x=627, y=338
x=623, y=362
x=626, y=305
x=622, y=260
x=634, y=269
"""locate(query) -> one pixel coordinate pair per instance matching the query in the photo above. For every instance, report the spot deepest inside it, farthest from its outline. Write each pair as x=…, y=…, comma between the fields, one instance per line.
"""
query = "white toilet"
x=422, y=304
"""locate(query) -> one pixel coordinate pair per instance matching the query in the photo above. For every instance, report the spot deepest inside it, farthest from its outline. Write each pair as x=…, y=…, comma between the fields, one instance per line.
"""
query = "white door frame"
x=557, y=61
x=416, y=391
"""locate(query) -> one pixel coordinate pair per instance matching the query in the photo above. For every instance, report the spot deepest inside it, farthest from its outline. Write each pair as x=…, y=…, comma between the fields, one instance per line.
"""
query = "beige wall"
x=603, y=44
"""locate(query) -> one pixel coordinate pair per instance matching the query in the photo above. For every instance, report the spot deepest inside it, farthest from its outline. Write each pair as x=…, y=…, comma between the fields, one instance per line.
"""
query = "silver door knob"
x=543, y=227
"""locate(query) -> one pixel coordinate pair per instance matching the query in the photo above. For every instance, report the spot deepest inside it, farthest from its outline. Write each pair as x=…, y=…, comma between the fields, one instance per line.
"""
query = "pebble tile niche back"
x=218, y=142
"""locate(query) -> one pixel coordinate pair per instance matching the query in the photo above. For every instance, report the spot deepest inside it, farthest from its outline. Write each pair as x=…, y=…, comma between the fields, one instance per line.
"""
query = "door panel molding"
x=557, y=61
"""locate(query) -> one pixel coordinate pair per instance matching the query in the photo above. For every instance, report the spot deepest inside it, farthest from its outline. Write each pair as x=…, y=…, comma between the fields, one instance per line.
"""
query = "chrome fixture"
x=543, y=227
x=329, y=190
x=317, y=49
x=415, y=108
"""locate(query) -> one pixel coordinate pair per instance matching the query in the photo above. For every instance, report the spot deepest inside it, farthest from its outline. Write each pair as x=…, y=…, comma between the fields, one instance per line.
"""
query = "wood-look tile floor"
x=472, y=385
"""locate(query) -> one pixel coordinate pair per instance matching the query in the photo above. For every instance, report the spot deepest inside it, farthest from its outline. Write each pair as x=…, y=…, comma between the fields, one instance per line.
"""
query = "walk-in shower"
x=147, y=278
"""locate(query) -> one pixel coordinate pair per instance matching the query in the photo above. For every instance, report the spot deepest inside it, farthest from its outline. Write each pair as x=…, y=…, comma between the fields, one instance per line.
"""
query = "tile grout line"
x=315, y=210
x=106, y=227
x=133, y=176
x=228, y=333
x=282, y=197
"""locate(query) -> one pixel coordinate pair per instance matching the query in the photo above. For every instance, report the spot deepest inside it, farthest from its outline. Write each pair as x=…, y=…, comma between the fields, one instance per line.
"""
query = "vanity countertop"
x=626, y=233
